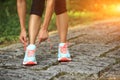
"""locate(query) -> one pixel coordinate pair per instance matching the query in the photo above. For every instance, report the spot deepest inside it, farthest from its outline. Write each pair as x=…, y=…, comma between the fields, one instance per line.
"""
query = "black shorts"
x=38, y=7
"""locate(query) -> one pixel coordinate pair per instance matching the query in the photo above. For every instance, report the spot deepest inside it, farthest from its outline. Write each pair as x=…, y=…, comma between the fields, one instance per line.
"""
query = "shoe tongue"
x=31, y=47
x=62, y=44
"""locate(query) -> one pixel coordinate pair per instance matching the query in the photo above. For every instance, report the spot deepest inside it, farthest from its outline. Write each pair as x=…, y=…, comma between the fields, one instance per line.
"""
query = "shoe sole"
x=64, y=59
x=30, y=63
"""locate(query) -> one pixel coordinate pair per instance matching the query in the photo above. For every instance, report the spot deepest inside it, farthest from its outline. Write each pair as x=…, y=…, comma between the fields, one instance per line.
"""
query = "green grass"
x=80, y=17
x=10, y=27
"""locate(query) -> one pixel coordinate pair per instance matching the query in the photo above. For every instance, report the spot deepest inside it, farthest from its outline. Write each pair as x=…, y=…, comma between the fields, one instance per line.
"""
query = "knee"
x=21, y=1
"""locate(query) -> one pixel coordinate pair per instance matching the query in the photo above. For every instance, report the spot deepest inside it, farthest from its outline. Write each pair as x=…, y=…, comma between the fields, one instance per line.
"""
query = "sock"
x=62, y=44
x=31, y=47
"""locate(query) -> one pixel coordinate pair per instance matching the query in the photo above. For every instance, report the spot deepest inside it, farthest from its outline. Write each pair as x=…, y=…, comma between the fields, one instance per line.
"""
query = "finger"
x=22, y=40
x=25, y=45
x=45, y=39
x=40, y=40
x=25, y=39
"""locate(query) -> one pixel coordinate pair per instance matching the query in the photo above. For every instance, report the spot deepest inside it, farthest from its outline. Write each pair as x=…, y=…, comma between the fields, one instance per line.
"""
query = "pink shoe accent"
x=30, y=63
x=64, y=59
x=30, y=53
x=63, y=49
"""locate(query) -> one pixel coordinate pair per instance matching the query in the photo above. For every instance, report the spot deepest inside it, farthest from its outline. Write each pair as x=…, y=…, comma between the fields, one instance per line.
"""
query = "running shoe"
x=29, y=58
x=63, y=53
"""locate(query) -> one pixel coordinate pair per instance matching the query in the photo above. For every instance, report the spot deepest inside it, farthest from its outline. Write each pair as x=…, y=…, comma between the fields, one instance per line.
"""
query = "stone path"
x=95, y=51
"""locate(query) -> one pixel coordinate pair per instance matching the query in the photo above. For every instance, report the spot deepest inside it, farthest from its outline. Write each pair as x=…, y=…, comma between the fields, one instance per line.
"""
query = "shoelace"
x=63, y=49
x=48, y=40
x=30, y=53
x=25, y=45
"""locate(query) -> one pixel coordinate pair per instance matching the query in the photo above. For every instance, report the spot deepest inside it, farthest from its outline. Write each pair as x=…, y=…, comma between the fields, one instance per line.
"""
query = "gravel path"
x=95, y=51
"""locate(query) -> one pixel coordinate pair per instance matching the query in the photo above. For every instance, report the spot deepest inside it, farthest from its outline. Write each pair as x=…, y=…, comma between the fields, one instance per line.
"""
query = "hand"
x=43, y=35
x=23, y=37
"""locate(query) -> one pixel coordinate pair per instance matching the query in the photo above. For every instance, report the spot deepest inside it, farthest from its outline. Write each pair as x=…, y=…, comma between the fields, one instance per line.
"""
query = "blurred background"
x=79, y=11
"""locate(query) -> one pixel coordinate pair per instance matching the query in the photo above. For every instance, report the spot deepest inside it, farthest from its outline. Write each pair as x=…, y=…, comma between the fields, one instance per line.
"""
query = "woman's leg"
x=61, y=19
x=35, y=19
x=62, y=26
x=34, y=25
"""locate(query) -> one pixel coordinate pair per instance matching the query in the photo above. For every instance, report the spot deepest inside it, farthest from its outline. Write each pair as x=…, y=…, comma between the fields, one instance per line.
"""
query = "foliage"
x=80, y=17
x=78, y=11
x=9, y=21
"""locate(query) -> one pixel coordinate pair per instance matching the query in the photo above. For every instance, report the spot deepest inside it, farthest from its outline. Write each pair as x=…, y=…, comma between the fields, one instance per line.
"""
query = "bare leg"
x=62, y=26
x=34, y=26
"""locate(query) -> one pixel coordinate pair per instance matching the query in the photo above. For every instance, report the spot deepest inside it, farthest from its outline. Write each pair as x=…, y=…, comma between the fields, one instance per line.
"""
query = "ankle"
x=62, y=44
x=31, y=46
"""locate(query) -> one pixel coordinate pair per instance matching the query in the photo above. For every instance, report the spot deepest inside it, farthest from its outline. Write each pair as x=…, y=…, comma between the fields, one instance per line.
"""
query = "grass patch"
x=80, y=17
x=10, y=27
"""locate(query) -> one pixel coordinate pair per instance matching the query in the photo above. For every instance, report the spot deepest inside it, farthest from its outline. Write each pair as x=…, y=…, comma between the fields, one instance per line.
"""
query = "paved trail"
x=95, y=50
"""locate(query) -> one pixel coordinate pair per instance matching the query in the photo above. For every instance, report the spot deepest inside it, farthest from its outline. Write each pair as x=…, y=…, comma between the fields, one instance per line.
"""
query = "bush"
x=9, y=21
